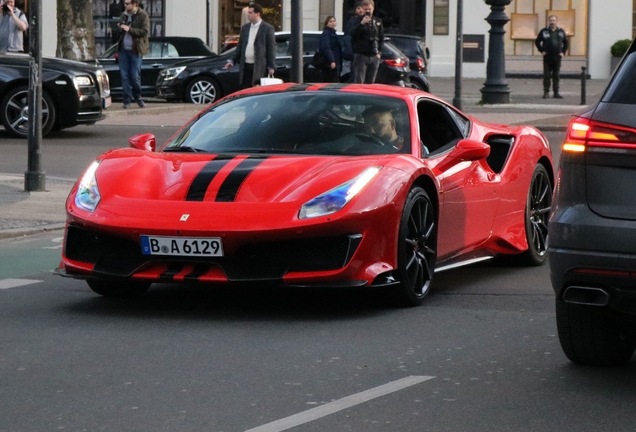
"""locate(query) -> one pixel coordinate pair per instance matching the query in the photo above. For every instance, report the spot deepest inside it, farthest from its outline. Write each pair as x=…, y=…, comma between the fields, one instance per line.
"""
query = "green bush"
x=620, y=47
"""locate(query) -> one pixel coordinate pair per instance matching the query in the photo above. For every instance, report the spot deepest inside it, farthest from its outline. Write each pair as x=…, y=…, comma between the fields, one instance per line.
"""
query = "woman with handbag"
x=330, y=48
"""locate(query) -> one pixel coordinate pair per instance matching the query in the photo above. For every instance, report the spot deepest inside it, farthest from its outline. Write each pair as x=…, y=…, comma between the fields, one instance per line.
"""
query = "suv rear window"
x=622, y=90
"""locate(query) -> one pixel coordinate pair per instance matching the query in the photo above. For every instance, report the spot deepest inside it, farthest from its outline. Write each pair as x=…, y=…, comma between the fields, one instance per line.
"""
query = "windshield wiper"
x=184, y=149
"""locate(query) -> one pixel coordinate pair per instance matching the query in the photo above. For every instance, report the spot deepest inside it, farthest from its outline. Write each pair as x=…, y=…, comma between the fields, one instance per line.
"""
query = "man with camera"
x=367, y=38
x=13, y=24
x=134, y=28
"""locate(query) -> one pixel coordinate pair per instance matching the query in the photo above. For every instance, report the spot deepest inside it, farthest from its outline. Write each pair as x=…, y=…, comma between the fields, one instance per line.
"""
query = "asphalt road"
x=67, y=153
x=480, y=354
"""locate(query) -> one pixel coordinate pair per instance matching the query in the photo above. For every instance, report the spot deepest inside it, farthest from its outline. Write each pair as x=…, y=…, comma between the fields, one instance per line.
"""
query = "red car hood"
x=134, y=174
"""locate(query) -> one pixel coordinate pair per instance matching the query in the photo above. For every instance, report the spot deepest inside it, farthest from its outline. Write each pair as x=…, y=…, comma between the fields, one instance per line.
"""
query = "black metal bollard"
x=583, y=78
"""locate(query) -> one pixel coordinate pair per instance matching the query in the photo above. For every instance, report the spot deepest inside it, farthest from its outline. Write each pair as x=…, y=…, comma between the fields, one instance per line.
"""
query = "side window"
x=311, y=43
x=438, y=129
x=155, y=49
x=462, y=122
x=282, y=48
x=170, y=50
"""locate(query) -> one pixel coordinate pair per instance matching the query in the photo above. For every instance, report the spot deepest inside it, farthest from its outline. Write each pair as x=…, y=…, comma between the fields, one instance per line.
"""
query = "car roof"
x=393, y=35
x=387, y=90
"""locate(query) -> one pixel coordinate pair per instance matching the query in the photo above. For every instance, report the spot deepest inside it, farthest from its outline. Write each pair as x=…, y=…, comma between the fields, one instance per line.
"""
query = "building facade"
x=592, y=27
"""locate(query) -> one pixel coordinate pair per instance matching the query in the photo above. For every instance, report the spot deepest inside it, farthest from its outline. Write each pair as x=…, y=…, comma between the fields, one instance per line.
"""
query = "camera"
x=368, y=13
x=5, y=9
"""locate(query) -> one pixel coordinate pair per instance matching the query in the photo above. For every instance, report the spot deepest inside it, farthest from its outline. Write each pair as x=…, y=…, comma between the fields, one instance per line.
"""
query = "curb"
x=153, y=110
x=19, y=232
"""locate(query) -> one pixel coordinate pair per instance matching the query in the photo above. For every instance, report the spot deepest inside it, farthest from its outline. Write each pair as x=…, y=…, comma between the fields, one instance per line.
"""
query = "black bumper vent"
x=115, y=256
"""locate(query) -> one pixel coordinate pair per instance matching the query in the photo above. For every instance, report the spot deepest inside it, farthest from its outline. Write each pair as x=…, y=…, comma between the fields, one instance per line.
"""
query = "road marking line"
x=339, y=405
x=12, y=283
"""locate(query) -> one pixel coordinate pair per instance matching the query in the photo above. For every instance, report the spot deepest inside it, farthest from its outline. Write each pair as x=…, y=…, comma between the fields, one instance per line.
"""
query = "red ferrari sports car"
x=311, y=185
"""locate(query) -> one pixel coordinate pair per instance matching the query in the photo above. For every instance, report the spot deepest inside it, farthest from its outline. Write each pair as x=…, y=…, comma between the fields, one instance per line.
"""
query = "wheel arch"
x=549, y=168
x=45, y=89
x=427, y=183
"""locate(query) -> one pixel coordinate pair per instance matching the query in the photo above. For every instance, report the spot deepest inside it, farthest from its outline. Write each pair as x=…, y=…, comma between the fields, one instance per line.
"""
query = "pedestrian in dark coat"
x=256, y=49
x=367, y=39
x=330, y=47
x=552, y=43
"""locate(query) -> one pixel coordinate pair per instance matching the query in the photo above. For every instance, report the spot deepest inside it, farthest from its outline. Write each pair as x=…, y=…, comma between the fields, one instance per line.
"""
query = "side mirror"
x=465, y=151
x=470, y=150
x=145, y=141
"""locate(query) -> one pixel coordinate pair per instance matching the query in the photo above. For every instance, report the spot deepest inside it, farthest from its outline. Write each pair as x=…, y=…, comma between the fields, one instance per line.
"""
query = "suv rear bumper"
x=585, y=256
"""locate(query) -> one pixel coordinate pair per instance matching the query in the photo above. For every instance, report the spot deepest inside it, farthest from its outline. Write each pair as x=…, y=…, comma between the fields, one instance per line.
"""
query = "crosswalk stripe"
x=13, y=283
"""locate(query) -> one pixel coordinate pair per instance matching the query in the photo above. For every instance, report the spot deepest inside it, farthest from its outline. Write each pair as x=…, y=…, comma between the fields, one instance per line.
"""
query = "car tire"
x=417, y=248
x=13, y=112
x=202, y=91
x=417, y=85
x=537, y=213
x=119, y=289
x=592, y=338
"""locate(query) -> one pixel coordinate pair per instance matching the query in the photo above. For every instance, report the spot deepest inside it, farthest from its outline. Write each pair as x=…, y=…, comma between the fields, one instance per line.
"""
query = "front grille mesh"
x=117, y=256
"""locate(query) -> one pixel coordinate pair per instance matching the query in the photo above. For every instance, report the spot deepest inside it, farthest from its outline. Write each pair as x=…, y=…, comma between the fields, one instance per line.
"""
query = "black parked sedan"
x=592, y=247
x=72, y=93
x=165, y=51
x=203, y=81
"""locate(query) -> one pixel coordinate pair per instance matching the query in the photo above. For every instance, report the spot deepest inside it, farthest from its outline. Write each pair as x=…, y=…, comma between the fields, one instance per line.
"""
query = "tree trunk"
x=75, y=32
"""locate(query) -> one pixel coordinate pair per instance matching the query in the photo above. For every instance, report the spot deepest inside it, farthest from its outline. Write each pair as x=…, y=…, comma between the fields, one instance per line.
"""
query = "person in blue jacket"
x=330, y=47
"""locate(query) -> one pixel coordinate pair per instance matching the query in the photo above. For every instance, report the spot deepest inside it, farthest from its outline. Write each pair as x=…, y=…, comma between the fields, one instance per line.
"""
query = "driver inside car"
x=380, y=123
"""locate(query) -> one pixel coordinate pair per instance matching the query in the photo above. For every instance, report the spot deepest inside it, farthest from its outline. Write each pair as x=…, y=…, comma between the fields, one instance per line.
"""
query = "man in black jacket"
x=367, y=38
x=552, y=43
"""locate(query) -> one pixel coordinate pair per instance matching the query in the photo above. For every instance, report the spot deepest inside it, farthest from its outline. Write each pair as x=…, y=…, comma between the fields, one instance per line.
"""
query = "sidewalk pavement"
x=23, y=213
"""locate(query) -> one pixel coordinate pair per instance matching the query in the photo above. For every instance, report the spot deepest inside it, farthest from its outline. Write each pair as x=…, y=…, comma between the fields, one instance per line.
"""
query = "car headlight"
x=335, y=199
x=172, y=73
x=82, y=81
x=87, y=196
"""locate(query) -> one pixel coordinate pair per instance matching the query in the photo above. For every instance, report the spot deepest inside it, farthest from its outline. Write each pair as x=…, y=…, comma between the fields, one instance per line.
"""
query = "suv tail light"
x=396, y=62
x=583, y=133
x=420, y=63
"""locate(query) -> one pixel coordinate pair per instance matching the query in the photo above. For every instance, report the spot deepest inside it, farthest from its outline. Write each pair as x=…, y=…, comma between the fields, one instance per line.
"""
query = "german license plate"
x=182, y=246
x=107, y=102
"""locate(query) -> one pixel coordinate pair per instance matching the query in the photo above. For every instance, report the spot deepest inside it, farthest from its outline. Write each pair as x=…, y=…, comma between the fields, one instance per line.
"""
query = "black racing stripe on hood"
x=298, y=87
x=200, y=184
x=334, y=86
x=228, y=190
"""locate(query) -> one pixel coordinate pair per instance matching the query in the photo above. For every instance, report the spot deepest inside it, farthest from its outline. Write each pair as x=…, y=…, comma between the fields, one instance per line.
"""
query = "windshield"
x=316, y=123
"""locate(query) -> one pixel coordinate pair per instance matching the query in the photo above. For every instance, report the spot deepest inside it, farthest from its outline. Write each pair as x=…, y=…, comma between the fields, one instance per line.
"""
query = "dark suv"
x=415, y=49
x=592, y=245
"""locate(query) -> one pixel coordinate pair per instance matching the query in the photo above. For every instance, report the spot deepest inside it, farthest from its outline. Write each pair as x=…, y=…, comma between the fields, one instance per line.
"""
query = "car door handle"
x=156, y=65
x=281, y=67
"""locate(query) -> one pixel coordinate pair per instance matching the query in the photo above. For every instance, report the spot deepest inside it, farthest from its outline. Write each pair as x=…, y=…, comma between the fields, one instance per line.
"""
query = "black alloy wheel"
x=536, y=218
x=14, y=112
x=417, y=247
x=121, y=289
x=202, y=91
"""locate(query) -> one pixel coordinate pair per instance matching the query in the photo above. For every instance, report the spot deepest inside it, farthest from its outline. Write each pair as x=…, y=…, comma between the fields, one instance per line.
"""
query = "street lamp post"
x=34, y=177
x=297, y=41
x=495, y=89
